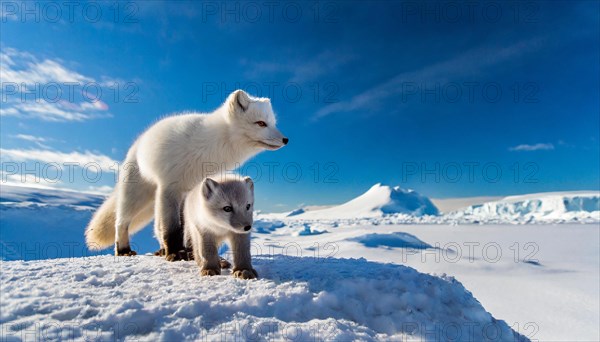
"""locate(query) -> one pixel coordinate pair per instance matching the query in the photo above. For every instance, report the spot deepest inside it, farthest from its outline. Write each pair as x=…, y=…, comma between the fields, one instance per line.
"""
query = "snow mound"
x=304, y=299
x=266, y=226
x=378, y=201
x=396, y=240
x=296, y=212
x=543, y=207
x=308, y=229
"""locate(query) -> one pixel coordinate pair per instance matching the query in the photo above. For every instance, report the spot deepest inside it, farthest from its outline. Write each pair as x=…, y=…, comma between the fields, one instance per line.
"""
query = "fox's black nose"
x=285, y=141
x=247, y=228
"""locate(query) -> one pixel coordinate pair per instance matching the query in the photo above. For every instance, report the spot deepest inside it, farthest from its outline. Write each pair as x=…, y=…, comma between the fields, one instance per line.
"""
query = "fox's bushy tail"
x=100, y=232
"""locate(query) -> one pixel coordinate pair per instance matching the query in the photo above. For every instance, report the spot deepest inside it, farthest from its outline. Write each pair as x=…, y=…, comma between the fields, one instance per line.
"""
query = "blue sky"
x=453, y=101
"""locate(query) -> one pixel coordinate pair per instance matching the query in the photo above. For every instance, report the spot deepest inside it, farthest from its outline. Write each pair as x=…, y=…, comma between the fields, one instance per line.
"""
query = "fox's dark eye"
x=248, y=207
x=228, y=209
x=261, y=123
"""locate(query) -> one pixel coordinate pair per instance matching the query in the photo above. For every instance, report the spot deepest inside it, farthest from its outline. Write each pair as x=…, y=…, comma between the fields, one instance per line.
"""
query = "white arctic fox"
x=172, y=157
x=217, y=211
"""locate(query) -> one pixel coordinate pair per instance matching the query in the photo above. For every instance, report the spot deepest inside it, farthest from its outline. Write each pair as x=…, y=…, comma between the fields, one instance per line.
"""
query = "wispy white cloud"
x=534, y=147
x=26, y=82
x=301, y=70
x=36, y=140
x=466, y=64
x=29, y=180
x=87, y=158
x=102, y=190
x=38, y=182
x=57, y=111
x=19, y=67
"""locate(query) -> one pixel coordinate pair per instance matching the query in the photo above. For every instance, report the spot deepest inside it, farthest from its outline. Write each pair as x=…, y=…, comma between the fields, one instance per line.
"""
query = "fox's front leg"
x=168, y=223
x=242, y=261
x=206, y=254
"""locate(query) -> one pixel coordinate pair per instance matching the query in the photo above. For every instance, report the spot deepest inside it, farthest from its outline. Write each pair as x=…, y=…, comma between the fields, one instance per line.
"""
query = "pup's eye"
x=228, y=209
x=261, y=123
x=248, y=207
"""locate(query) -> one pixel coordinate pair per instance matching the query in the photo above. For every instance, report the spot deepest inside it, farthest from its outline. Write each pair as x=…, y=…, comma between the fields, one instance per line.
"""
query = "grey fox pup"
x=217, y=211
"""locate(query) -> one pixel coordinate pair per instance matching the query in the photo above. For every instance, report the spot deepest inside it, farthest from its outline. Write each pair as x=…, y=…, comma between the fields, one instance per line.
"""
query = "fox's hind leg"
x=167, y=224
x=135, y=195
x=188, y=252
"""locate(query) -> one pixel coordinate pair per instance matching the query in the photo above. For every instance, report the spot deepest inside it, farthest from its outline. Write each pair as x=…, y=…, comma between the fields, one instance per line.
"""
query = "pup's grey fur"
x=219, y=211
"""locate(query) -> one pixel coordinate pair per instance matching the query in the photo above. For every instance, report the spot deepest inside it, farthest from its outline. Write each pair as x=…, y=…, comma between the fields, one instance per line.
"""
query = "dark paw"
x=125, y=252
x=245, y=273
x=160, y=252
x=210, y=272
x=224, y=263
x=180, y=255
x=190, y=253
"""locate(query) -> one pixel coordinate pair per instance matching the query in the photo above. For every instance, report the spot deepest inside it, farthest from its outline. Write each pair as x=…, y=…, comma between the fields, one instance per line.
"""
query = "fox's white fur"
x=214, y=212
x=169, y=159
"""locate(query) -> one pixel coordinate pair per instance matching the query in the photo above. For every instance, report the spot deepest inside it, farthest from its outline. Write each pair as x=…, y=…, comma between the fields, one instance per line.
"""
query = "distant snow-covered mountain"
x=50, y=223
x=383, y=204
x=40, y=223
x=19, y=196
x=541, y=207
x=378, y=201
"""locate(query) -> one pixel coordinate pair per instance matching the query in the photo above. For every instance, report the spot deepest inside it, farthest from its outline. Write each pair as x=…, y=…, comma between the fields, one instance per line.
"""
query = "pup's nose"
x=285, y=141
x=247, y=228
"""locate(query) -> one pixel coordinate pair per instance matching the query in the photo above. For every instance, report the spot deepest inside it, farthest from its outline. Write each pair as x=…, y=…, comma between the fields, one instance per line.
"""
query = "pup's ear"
x=249, y=183
x=209, y=188
x=239, y=101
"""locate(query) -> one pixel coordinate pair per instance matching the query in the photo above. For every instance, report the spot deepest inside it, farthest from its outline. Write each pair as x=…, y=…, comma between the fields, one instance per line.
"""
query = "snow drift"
x=303, y=299
x=378, y=201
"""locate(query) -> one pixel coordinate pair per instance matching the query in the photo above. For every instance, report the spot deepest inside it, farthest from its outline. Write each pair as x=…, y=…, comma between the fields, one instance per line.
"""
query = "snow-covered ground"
x=541, y=279
x=303, y=299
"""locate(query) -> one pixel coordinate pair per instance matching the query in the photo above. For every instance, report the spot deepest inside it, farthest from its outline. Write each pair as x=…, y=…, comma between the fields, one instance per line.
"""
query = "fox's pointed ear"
x=239, y=101
x=209, y=187
x=249, y=183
